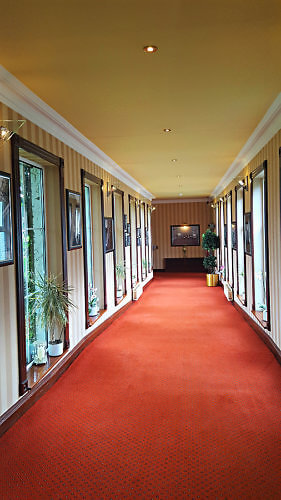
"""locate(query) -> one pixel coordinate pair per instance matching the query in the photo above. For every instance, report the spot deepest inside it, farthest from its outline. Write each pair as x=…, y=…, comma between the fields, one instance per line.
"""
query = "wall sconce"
x=221, y=199
x=8, y=128
x=153, y=208
x=110, y=188
x=244, y=183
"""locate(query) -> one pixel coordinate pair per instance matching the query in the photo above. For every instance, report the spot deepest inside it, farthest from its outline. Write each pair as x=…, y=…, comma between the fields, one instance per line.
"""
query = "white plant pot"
x=264, y=315
x=119, y=293
x=94, y=311
x=55, y=349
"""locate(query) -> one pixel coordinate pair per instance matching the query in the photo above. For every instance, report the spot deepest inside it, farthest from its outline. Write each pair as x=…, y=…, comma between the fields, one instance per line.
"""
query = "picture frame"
x=6, y=226
x=233, y=236
x=74, y=224
x=225, y=235
x=127, y=240
x=109, y=235
x=138, y=232
x=183, y=235
x=128, y=228
x=125, y=218
x=248, y=233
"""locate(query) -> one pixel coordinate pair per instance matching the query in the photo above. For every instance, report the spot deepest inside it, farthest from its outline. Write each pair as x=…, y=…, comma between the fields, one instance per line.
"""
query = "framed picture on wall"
x=225, y=235
x=138, y=232
x=125, y=217
x=109, y=238
x=73, y=210
x=233, y=236
x=248, y=233
x=127, y=240
x=185, y=235
x=6, y=234
x=128, y=228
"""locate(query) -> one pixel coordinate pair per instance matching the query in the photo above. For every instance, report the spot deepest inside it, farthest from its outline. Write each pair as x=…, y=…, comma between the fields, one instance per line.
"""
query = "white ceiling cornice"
x=18, y=97
x=161, y=201
x=266, y=129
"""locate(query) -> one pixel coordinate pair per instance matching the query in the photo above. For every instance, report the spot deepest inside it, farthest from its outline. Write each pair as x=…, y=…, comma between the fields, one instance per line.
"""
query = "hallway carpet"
x=177, y=399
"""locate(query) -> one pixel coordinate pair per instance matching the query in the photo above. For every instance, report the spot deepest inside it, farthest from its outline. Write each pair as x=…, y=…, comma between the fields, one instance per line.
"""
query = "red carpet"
x=176, y=399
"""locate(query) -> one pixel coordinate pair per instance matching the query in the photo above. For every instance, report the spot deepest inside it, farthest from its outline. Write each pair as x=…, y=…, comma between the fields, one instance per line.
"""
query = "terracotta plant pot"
x=212, y=279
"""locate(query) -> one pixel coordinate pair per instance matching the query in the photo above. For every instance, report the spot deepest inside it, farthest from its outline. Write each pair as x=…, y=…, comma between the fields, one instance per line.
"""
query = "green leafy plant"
x=210, y=242
x=144, y=264
x=51, y=304
x=120, y=272
x=210, y=263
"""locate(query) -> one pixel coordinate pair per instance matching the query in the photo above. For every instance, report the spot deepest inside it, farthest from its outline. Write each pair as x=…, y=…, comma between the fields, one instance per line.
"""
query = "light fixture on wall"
x=8, y=128
x=153, y=208
x=110, y=188
x=244, y=183
x=221, y=199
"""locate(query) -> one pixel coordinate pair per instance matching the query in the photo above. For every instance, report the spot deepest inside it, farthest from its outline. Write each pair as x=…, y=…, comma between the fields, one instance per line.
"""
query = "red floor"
x=176, y=399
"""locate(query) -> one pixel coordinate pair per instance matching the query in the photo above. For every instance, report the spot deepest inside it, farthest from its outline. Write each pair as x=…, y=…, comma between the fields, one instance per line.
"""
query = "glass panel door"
x=34, y=248
x=89, y=239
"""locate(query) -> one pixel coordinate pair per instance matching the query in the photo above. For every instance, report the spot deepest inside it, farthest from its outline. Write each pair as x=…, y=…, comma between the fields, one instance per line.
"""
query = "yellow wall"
x=73, y=163
x=167, y=214
x=270, y=153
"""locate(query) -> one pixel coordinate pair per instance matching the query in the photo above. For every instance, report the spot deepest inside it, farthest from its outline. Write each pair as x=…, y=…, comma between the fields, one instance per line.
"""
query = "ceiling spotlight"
x=174, y=160
x=167, y=129
x=150, y=49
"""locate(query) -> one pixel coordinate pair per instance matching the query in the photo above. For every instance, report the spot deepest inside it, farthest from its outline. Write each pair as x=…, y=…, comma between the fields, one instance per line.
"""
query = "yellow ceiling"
x=215, y=75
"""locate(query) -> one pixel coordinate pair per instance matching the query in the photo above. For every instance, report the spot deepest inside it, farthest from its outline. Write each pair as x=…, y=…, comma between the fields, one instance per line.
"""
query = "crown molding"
x=18, y=97
x=162, y=201
x=266, y=129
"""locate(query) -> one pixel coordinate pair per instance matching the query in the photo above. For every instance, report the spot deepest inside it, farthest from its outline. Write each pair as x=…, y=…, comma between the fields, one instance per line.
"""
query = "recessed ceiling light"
x=167, y=129
x=149, y=49
x=174, y=160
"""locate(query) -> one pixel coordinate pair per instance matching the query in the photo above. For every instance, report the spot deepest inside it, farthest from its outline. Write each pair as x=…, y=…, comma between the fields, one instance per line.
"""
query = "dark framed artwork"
x=138, y=232
x=6, y=233
x=109, y=238
x=127, y=240
x=248, y=233
x=225, y=235
x=146, y=237
x=185, y=235
x=125, y=217
x=73, y=211
x=128, y=228
x=233, y=236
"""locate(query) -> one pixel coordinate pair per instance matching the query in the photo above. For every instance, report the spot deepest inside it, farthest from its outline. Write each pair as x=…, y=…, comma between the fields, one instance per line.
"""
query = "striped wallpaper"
x=73, y=163
x=270, y=153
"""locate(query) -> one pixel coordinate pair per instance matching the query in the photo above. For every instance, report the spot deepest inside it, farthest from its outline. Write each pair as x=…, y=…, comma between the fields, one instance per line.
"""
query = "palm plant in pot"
x=51, y=303
x=120, y=276
x=210, y=242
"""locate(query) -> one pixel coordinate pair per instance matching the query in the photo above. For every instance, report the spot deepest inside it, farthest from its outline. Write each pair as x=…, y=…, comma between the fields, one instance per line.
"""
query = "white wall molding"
x=161, y=201
x=18, y=97
x=266, y=129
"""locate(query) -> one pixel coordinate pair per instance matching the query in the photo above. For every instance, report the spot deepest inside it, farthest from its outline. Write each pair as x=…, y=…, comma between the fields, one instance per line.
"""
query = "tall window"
x=222, y=254
x=133, y=222
x=149, y=239
x=229, y=242
x=241, y=268
x=143, y=248
x=41, y=240
x=261, y=305
x=119, y=249
x=34, y=248
x=218, y=232
x=93, y=234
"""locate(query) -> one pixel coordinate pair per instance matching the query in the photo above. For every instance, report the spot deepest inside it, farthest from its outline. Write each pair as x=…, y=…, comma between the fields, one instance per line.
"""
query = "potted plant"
x=93, y=302
x=51, y=304
x=144, y=268
x=210, y=242
x=120, y=276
